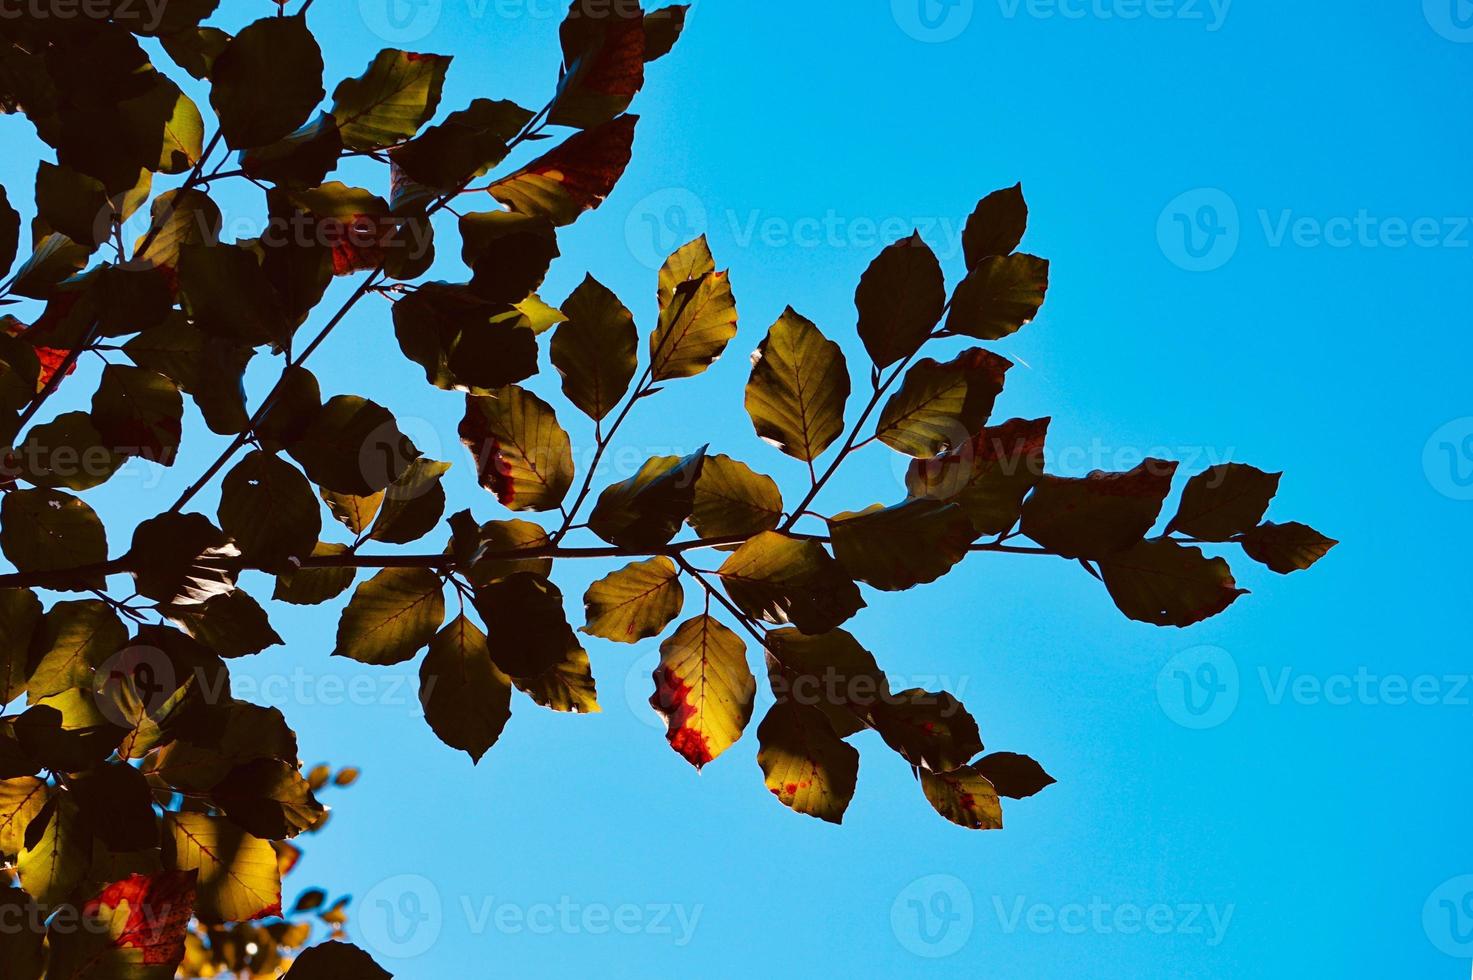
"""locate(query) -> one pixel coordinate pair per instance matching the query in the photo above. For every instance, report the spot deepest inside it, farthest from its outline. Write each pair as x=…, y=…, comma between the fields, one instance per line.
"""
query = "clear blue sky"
x=1318, y=827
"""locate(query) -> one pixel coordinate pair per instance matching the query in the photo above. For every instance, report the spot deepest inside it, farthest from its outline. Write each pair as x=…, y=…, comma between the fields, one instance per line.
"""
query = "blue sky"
x=1314, y=321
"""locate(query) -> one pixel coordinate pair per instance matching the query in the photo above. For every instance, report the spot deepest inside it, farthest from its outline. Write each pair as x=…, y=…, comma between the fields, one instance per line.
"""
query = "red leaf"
x=159, y=909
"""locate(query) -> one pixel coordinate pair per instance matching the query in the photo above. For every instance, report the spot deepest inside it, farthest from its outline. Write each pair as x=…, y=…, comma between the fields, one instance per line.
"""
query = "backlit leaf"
x=178, y=559
x=391, y=616
x=503, y=538
x=20, y=615
x=312, y=586
x=965, y=797
x=929, y=730
x=354, y=446
x=138, y=412
x=781, y=579
x=413, y=505
x=829, y=671
x=1223, y=501
x=55, y=859
x=267, y=81
x=703, y=689
x=269, y=799
x=901, y=298
x=238, y=878
x=798, y=388
x=732, y=500
x=595, y=350
x=603, y=63
x=567, y=686
x=301, y=159
x=902, y=546
x=72, y=640
x=133, y=929
x=1168, y=584
x=397, y=95
x=466, y=145
x=233, y=625
x=1099, y=514
x=634, y=603
x=942, y=405
x=998, y=296
x=574, y=177
x=988, y=476
x=466, y=699
x=694, y=328
x=806, y=766
x=647, y=510
x=21, y=801
x=522, y=454
x=1286, y=548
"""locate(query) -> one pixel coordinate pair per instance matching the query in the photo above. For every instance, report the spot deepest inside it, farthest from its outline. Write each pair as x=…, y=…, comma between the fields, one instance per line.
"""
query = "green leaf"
x=732, y=500
x=1286, y=548
x=988, y=476
x=1014, y=776
x=996, y=227
x=413, y=505
x=47, y=530
x=354, y=513
x=268, y=798
x=998, y=296
x=180, y=218
x=336, y=961
x=354, y=446
x=195, y=49
x=901, y=298
x=503, y=538
x=449, y=329
x=313, y=586
x=229, y=295
x=798, y=388
x=53, y=258
x=1099, y=514
x=899, y=547
x=56, y=862
x=73, y=204
x=929, y=730
x=233, y=625
x=689, y=263
x=806, y=766
x=831, y=672
x=466, y=699
x=522, y=454
x=1224, y=501
x=965, y=797
x=66, y=452
x=20, y=614
x=465, y=146
x=302, y=159
x=603, y=64
x=528, y=627
x=238, y=875
x=391, y=616
x=73, y=640
x=574, y=177
x=268, y=508
x=942, y=405
x=694, y=327
x=595, y=350
x=634, y=603
x=21, y=801
x=267, y=81
x=138, y=412
x=1168, y=584
x=781, y=580
x=703, y=689
x=175, y=559
x=567, y=686
x=647, y=510
x=388, y=104
x=508, y=253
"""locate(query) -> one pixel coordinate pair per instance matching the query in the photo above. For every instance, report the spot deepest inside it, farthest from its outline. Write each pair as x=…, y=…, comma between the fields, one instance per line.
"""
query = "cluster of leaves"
x=138, y=796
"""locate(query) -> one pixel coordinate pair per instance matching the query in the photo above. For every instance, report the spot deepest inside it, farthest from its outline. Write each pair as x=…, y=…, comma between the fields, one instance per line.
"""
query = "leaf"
x=1099, y=514
x=195, y=50
x=354, y=513
x=391, y=616
x=233, y=625
x=449, y=329
x=133, y=929
x=66, y=452
x=780, y=580
x=1165, y=583
x=522, y=454
x=230, y=734
x=1014, y=776
x=301, y=159
x=466, y=699
x=603, y=64
x=798, y=388
x=336, y=961
x=138, y=412
x=662, y=28
x=964, y=797
x=22, y=946
x=20, y=615
x=117, y=802
x=354, y=446
x=902, y=546
x=268, y=508
x=465, y=146
x=998, y=296
x=929, y=730
x=529, y=631
x=21, y=801
x=507, y=537
x=572, y=178
x=830, y=672
x=733, y=501
x=567, y=686
x=397, y=95
x=595, y=349
x=988, y=476
x=508, y=253
x=180, y=218
x=703, y=689
x=55, y=859
x=647, y=510
x=1286, y=548
x=413, y=504
x=67, y=732
x=634, y=603
x=47, y=530
x=694, y=327
x=229, y=296
x=996, y=227
x=356, y=225
x=689, y=263
x=72, y=640
x=269, y=799
x=313, y=586
x=942, y=405
x=9, y=232
x=900, y=298
x=238, y=878
x=177, y=559
x=267, y=81
x=807, y=767
x=1224, y=501
x=73, y=204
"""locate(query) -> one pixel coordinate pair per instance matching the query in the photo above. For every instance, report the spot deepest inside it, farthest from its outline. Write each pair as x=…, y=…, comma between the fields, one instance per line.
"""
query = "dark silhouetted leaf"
x=603, y=63
x=1014, y=776
x=988, y=476
x=301, y=159
x=267, y=81
x=466, y=699
x=269, y=799
x=117, y=803
x=1168, y=584
x=1286, y=548
x=67, y=452
x=528, y=628
x=47, y=530
x=20, y=614
x=901, y=298
x=595, y=350
x=354, y=446
x=1097, y=515
x=176, y=559
x=233, y=625
x=902, y=546
x=508, y=253
x=831, y=672
x=413, y=505
x=998, y=296
x=942, y=405
x=780, y=579
x=573, y=178
x=567, y=686
x=929, y=730
x=996, y=227
x=1223, y=501
x=466, y=145
x=647, y=510
x=336, y=961
x=703, y=689
x=268, y=508
x=229, y=295
x=798, y=388
x=138, y=413
x=448, y=329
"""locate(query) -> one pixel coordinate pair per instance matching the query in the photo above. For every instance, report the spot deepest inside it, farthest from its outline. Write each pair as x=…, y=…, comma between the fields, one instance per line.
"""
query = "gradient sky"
x=1316, y=825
